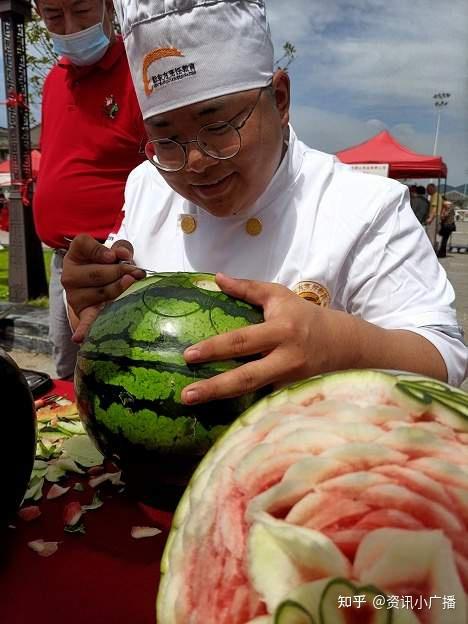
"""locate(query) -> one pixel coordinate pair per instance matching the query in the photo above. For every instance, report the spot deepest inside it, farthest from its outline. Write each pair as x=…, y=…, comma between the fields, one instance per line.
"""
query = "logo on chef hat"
x=151, y=82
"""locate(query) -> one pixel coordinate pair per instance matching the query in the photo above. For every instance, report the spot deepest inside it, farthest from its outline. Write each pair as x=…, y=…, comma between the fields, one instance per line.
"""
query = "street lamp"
x=441, y=100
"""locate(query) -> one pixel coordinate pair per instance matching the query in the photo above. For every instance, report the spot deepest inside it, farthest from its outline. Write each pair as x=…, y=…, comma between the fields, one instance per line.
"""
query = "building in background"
x=4, y=149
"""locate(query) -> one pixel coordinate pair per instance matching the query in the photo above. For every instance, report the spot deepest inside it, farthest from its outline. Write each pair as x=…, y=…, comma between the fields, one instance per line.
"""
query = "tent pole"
x=437, y=219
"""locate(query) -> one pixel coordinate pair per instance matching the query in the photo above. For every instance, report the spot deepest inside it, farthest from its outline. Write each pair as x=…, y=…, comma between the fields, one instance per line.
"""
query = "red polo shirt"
x=87, y=149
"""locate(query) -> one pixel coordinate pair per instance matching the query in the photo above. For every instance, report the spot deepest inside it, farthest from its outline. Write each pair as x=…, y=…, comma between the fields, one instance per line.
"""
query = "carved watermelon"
x=342, y=499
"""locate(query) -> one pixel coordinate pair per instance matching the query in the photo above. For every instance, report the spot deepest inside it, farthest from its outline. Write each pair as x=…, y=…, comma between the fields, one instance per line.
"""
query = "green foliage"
x=41, y=302
x=289, y=54
x=40, y=56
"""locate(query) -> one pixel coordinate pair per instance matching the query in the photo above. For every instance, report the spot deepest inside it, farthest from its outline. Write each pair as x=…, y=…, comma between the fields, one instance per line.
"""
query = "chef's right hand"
x=92, y=276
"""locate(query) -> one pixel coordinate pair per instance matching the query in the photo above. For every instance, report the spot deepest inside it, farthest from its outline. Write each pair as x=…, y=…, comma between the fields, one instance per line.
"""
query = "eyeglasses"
x=220, y=140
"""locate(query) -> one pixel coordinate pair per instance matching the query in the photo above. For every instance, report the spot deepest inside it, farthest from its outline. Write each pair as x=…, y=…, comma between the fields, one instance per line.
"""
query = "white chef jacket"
x=351, y=232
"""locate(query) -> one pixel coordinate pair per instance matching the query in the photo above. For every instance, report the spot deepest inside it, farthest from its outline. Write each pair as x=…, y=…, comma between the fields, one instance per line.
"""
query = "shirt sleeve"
x=394, y=280
x=119, y=230
x=451, y=346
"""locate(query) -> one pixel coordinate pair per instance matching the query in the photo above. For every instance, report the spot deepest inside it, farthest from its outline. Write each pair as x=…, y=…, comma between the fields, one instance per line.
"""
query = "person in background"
x=90, y=141
x=435, y=202
x=420, y=204
x=229, y=187
x=435, y=206
x=447, y=227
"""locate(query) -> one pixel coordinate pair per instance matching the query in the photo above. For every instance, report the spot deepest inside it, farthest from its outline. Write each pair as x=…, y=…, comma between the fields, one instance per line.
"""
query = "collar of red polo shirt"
x=112, y=55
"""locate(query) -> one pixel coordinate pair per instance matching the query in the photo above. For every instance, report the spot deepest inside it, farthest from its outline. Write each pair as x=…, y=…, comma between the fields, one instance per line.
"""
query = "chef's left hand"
x=298, y=339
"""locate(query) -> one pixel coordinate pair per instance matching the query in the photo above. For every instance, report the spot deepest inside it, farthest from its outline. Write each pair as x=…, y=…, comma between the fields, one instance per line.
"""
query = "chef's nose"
x=197, y=160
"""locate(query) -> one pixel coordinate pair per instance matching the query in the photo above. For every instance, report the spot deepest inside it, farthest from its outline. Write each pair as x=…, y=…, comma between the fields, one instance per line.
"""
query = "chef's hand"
x=92, y=276
x=298, y=339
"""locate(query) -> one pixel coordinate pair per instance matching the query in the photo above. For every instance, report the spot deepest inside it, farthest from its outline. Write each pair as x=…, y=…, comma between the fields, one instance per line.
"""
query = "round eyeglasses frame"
x=201, y=146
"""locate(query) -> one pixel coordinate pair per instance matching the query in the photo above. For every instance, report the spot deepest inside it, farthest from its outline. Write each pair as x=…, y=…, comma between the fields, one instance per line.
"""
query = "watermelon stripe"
x=215, y=413
x=229, y=306
x=192, y=373
x=170, y=343
x=162, y=347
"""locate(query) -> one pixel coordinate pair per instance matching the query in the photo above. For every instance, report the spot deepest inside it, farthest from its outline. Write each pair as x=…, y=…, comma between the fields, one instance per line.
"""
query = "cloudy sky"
x=365, y=65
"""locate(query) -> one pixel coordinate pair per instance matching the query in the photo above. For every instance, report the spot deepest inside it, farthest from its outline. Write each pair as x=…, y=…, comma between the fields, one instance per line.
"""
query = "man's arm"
x=299, y=339
x=396, y=350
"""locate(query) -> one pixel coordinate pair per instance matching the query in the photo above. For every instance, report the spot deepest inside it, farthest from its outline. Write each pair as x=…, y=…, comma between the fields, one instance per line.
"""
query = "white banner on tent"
x=381, y=170
x=5, y=179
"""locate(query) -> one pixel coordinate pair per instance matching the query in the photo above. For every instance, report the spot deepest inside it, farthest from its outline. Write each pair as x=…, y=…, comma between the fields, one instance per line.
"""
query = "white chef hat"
x=185, y=51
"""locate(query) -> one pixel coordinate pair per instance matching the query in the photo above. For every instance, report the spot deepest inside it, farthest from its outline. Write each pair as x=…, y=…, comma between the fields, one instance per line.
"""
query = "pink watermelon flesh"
x=406, y=472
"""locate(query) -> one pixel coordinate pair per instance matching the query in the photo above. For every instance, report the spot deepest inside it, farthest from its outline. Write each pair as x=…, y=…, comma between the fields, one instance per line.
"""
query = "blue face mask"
x=85, y=47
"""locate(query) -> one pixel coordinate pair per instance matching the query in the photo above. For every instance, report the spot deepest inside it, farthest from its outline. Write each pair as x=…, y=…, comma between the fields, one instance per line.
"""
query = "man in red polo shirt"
x=91, y=136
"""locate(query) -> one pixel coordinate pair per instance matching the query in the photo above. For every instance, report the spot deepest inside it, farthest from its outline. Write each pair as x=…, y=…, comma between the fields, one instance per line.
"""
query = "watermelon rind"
x=330, y=613
x=290, y=612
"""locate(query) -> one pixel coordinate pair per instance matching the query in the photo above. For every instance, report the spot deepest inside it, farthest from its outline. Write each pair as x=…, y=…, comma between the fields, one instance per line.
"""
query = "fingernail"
x=191, y=396
x=192, y=355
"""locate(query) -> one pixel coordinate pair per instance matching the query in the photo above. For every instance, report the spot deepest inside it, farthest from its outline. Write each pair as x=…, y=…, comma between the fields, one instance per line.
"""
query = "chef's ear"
x=281, y=88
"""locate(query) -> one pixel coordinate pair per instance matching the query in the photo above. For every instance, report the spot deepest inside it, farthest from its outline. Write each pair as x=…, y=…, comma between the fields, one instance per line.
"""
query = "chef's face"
x=231, y=186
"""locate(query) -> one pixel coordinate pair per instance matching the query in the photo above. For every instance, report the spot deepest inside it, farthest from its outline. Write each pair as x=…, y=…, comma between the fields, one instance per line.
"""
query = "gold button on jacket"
x=253, y=227
x=188, y=224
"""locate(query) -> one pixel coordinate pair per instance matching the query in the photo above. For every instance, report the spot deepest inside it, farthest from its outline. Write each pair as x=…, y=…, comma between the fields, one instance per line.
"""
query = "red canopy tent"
x=5, y=182
x=35, y=161
x=403, y=163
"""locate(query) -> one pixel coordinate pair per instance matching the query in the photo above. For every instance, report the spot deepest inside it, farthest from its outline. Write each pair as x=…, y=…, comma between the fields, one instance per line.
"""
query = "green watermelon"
x=18, y=436
x=131, y=371
x=339, y=500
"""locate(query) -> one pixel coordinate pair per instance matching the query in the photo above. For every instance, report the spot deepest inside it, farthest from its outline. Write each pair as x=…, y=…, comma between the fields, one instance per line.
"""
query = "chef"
x=345, y=274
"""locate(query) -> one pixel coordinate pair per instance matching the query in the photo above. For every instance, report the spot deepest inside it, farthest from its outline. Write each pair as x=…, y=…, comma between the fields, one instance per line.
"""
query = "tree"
x=289, y=54
x=40, y=56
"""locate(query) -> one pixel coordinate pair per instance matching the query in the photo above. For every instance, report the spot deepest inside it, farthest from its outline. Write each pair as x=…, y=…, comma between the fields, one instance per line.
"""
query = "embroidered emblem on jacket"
x=314, y=292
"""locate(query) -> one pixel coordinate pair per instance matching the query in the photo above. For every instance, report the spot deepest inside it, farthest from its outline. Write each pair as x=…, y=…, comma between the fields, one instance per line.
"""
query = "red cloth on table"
x=102, y=577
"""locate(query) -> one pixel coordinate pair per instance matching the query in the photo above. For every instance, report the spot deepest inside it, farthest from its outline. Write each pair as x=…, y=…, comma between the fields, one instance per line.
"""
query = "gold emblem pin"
x=314, y=292
x=253, y=227
x=188, y=224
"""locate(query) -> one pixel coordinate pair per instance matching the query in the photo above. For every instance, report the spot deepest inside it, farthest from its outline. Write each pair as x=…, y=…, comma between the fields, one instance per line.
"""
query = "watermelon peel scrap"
x=349, y=484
